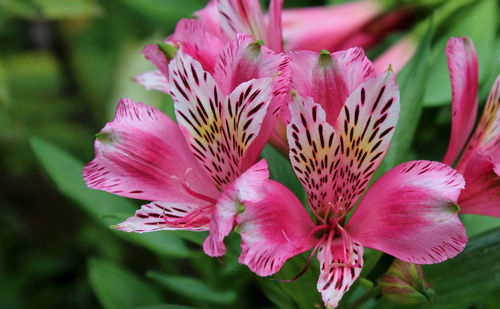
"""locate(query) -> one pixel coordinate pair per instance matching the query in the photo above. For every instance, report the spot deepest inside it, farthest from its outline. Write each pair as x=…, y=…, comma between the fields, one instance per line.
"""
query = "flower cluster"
x=234, y=89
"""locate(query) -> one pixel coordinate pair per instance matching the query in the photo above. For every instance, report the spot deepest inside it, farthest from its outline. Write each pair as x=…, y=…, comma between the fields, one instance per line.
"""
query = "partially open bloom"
x=342, y=120
x=480, y=160
x=219, y=23
x=190, y=170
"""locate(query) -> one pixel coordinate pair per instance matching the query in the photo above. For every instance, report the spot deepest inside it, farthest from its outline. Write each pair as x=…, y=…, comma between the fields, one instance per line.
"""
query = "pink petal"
x=486, y=137
x=210, y=19
x=397, y=56
x=242, y=17
x=218, y=134
x=329, y=78
x=197, y=42
x=243, y=60
x=316, y=28
x=364, y=130
x=274, y=25
x=312, y=143
x=162, y=216
x=249, y=187
x=273, y=230
x=153, y=80
x=463, y=66
x=153, y=53
x=482, y=187
x=335, y=280
x=410, y=212
x=142, y=154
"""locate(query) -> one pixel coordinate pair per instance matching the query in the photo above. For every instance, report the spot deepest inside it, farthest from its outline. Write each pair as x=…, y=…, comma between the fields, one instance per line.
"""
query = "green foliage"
x=186, y=286
x=118, y=288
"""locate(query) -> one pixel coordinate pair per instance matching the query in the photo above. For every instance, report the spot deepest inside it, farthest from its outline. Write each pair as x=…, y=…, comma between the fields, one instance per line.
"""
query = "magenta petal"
x=329, y=78
x=153, y=53
x=463, y=66
x=209, y=17
x=274, y=25
x=482, y=187
x=197, y=42
x=142, y=154
x=161, y=216
x=249, y=187
x=242, y=17
x=336, y=277
x=273, y=230
x=410, y=212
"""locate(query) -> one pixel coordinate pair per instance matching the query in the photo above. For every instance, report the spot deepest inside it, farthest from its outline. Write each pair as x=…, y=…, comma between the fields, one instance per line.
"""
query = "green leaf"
x=470, y=276
x=411, y=81
x=63, y=9
x=475, y=21
x=303, y=290
x=165, y=11
x=476, y=224
x=276, y=294
x=117, y=288
x=66, y=172
x=165, y=306
x=193, y=289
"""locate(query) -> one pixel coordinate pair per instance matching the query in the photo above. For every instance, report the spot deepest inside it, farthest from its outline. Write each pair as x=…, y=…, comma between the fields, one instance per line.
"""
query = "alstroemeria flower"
x=190, y=169
x=335, y=147
x=219, y=23
x=480, y=160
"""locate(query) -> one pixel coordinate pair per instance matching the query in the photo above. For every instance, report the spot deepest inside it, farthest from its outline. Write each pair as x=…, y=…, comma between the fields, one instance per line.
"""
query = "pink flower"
x=219, y=23
x=479, y=162
x=224, y=119
x=342, y=120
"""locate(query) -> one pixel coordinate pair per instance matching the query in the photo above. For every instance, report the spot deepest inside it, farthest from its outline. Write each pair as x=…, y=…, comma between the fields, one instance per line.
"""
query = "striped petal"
x=274, y=25
x=162, y=216
x=249, y=187
x=219, y=132
x=486, y=137
x=410, y=212
x=336, y=276
x=329, y=78
x=242, y=17
x=482, y=187
x=243, y=60
x=364, y=129
x=312, y=143
x=463, y=66
x=142, y=154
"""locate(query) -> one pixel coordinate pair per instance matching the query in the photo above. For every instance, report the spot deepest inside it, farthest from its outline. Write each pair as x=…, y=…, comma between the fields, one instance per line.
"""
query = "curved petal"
x=463, y=66
x=329, y=78
x=142, y=154
x=162, y=216
x=197, y=42
x=396, y=56
x=482, y=187
x=249, y=187
x=218, y=133
x=486, y=137
x=312, y=143
x=316, y=28
x=153, y=80
x=274, y=25
x=364, y=130
x=242, y=17
x=335, y=276
x=154, y=54
x=210, y=19
x=410, y=212
x=273, y=230
x=243, y=60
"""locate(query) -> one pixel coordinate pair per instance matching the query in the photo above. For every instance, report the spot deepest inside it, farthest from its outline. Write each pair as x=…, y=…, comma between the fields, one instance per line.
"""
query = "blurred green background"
x=64, y=64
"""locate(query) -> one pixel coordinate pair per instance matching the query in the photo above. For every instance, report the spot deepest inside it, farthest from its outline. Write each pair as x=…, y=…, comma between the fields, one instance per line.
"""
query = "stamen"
x=307, y=263
x=309, y=235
